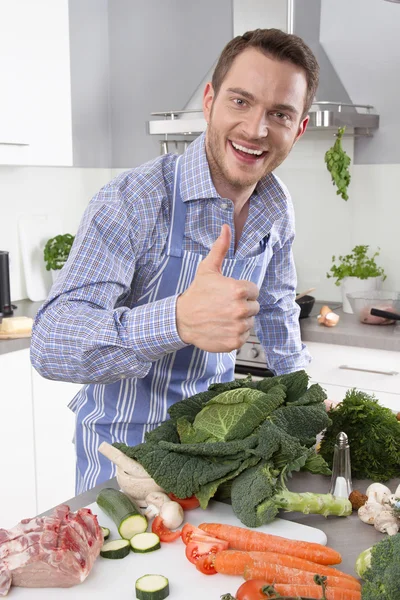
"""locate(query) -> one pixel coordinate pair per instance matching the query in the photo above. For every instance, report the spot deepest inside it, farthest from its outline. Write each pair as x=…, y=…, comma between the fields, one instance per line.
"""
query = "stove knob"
x=254, y=352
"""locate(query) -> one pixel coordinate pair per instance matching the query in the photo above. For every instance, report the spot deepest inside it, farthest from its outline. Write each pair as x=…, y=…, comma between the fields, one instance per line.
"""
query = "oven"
x=250, y=358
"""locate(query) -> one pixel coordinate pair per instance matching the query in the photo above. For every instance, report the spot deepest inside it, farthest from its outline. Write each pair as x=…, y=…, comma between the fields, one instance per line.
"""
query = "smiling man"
x=177, y=260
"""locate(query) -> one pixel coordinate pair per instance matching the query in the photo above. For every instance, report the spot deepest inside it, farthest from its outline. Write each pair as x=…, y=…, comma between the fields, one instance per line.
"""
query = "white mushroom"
x=369, y=512
x=386, y=522
x=377, y=492
x=172, y=514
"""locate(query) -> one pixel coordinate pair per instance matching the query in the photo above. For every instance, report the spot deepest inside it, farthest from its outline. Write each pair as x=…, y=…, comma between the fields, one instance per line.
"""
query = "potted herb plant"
x=356, y=272
x=56, y=252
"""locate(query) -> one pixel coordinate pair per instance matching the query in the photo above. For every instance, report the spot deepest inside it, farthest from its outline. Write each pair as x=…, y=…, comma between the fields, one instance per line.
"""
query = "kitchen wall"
x=326, y=224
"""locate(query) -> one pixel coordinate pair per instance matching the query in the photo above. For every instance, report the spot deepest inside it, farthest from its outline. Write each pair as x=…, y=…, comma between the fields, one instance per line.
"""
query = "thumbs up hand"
x=216, y=313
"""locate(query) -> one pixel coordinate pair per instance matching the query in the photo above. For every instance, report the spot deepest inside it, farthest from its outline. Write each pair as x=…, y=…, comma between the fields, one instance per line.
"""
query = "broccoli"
x=379, y=567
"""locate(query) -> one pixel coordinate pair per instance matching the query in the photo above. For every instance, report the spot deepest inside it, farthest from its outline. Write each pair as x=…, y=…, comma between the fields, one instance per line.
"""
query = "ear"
x=302, y=127
x=208, y=98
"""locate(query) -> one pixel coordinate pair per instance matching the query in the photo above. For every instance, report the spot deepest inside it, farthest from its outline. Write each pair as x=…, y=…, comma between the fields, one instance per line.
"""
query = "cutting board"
x=116, y=578
x=34, y=231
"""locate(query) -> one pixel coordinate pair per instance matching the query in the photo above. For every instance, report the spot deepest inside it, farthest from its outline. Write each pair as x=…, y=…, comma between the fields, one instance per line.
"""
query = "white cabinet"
x=35, y=99
x=54, y=430
x=17, y=450
x=373, y=371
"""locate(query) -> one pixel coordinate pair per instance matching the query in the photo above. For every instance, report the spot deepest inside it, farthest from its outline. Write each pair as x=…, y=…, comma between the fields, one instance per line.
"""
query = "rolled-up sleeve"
x=277, y=324
x=83, y=332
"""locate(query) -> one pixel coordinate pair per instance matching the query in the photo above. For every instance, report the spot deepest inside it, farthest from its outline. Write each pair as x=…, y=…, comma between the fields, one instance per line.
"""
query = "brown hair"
x=277, y=44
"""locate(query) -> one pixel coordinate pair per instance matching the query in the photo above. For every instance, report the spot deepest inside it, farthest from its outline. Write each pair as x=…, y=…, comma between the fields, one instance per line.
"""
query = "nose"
x=255, y=125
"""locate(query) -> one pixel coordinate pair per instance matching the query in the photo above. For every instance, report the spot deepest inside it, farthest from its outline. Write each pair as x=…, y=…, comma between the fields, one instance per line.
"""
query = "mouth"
x=246, y=154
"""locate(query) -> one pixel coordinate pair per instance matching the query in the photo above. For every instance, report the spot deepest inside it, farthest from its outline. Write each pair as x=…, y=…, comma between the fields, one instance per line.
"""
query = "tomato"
x=190, y=533
x=195, y=550
x=165, y=534
x=252, y=590
x=186, y=503
x=205, y=564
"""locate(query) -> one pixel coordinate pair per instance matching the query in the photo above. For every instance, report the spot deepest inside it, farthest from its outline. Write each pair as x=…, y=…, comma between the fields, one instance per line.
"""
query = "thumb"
x=219, y=249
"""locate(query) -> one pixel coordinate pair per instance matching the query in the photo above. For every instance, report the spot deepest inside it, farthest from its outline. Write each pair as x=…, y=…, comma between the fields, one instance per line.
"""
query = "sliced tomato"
x=196, y=550
x=205, y=564
x=165, y=534
x=186, y=503
x=252, y=590
x=190, y=533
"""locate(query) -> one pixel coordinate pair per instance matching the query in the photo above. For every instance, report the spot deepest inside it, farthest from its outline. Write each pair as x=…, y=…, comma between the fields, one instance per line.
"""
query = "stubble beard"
x=220, y=173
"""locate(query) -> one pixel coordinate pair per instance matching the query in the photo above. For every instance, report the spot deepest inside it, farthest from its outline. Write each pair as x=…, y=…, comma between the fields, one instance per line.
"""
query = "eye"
x=281, y=116
x=239, y=102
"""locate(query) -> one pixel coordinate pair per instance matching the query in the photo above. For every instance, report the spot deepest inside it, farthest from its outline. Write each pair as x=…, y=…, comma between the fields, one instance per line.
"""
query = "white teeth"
x=247, y=150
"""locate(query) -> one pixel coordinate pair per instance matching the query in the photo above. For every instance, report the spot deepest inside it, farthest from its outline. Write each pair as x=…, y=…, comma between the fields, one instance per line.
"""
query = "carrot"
x=234, y=562
x=245, y=539
x=281, y=574
x=315, y=591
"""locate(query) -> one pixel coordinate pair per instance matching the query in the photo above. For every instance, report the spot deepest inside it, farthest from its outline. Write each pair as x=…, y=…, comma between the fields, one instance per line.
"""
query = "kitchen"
x=99, y=145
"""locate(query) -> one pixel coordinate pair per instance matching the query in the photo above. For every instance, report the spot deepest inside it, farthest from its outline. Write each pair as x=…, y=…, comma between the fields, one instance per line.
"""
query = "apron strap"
x=178, y=216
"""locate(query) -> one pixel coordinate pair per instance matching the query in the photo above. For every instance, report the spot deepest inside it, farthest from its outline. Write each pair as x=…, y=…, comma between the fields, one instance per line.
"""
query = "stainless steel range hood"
x=333, y=106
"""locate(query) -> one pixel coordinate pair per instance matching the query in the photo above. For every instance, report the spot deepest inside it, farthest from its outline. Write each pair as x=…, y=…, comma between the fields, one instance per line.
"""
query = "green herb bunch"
x=374, y=436
x=356, y=264
x=337, y=163
x=56, y=251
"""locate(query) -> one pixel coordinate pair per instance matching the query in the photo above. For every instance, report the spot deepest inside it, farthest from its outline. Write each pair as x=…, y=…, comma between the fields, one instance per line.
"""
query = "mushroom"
x=159, y=504
x=369, y=511
x=386, y=522
x=377, y=492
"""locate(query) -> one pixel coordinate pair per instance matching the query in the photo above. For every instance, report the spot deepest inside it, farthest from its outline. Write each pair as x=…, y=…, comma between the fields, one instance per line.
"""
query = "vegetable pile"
x=242, y=439
x=379, y=567
x=374, y=436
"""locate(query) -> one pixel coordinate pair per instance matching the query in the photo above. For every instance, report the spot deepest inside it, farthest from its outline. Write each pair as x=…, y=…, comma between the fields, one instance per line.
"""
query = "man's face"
x=258, y=109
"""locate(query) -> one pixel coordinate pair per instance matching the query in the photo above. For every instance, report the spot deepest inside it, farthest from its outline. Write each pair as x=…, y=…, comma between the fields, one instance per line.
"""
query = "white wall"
x=328, y=225
x=42, y=190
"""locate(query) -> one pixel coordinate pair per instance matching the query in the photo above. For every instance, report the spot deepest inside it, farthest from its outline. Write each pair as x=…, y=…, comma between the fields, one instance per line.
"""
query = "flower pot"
x=354, y=284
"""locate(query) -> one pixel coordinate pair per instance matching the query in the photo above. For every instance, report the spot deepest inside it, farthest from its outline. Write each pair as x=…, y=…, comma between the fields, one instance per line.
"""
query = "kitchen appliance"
x=6, y=307
x=332, y=107
x=250, y=358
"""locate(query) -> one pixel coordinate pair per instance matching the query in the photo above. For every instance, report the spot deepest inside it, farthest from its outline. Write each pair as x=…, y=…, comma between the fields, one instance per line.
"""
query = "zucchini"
x=106, y=532
x=116, y=549
x=145, y=542
x=152, y=587
x=122, y=511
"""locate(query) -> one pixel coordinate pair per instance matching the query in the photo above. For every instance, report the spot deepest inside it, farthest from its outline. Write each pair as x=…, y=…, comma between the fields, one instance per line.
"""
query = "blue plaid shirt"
x=89, y=329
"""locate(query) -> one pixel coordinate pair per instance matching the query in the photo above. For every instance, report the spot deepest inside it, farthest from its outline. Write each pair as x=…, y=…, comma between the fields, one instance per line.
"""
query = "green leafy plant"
x=56, y=251
x=356, y=264
x=337, y=163
x=250, y=435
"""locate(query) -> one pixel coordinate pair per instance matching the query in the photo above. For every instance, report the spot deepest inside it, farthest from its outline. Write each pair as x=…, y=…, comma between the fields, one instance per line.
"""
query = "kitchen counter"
x=347, y=535
x=348, y=332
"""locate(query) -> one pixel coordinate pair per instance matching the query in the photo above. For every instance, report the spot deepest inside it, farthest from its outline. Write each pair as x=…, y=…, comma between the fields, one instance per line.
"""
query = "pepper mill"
x=5, y=296
x=341, y=484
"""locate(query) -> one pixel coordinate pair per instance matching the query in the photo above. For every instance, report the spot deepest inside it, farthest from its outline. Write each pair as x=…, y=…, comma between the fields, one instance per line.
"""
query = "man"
x=176, y=260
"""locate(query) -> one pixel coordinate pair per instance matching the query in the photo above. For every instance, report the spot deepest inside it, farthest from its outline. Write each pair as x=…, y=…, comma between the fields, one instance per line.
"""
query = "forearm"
x=76, y=341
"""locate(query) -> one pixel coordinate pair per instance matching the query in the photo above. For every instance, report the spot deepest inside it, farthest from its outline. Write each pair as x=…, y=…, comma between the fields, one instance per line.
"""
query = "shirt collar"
x=196, y=183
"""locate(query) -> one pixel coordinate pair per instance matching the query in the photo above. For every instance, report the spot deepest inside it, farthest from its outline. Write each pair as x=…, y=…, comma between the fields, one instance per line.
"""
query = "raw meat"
x=54, y=551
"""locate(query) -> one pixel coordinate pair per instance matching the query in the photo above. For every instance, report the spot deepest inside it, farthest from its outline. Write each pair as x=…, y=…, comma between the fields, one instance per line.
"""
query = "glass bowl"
x=362, y=302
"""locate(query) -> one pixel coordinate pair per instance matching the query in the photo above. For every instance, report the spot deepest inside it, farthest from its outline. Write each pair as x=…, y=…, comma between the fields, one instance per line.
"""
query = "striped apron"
x=125, y=410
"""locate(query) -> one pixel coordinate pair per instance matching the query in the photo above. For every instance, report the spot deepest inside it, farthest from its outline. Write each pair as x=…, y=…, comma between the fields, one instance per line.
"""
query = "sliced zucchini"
x=106, y=532
x=145, y=542
x=115, y=549
x=122, y=511
x=152, y=587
